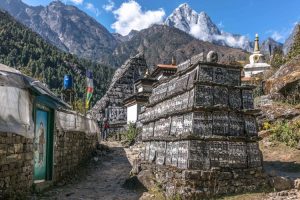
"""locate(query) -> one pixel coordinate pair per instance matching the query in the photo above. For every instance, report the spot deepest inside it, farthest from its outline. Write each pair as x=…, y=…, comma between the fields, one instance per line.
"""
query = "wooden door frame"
x=50, y=136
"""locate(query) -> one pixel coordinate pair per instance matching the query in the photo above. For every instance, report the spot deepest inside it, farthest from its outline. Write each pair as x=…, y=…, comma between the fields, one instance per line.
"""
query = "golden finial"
x=173, y=60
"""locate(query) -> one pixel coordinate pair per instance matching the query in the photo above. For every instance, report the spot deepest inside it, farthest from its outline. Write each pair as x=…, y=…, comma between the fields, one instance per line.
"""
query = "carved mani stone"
x=204, y=95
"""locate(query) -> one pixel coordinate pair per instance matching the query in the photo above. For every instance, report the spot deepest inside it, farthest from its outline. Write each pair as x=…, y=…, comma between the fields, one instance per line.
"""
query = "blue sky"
x=266, y=17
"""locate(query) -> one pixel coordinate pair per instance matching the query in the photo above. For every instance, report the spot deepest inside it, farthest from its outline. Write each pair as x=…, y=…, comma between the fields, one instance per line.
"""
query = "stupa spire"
x=256, y=44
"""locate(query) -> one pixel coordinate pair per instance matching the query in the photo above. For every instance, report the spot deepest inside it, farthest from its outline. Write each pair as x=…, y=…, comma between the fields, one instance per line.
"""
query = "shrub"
x=287, y=133
x=131, y=134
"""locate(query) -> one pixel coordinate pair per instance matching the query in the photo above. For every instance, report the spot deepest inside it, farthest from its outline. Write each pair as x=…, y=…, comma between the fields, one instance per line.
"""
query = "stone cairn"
x=111, y=106
x=200, y=132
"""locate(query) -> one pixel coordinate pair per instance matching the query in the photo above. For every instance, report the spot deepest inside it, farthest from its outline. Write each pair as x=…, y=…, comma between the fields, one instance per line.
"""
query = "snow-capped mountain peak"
x=202, y=27
x=188, y=20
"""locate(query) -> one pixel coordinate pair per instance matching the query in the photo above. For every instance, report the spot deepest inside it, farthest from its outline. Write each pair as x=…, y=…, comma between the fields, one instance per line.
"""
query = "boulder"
x=147, y=178
x=281, y=183
x=285, y=79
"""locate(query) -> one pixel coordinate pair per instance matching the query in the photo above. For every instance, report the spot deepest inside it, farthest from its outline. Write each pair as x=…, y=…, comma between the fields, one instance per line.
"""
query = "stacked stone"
x=202, y=120
x=70, y=150
x=111, y=106
x=16, y=165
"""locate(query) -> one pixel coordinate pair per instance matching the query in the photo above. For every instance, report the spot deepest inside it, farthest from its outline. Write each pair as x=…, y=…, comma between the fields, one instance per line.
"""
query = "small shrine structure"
x=257, y=62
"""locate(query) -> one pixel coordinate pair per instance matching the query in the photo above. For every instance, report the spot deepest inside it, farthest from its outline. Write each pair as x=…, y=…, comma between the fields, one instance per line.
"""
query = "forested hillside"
x=28, y=52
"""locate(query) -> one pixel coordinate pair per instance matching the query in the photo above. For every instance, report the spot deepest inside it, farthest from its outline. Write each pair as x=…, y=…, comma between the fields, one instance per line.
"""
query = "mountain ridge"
x=202, y=27
x=28, y=52
x=65, y=26
x=72, y=30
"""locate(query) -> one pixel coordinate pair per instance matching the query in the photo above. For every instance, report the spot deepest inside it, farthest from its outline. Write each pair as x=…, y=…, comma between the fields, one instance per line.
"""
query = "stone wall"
x=111, y=106
x=16, y=164
x=16, y=159
x=204, y=184
x=71, y=149
x=202, y=121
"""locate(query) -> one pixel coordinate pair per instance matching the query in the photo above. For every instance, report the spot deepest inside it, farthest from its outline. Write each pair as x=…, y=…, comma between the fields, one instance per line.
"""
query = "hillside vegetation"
x=28, y=52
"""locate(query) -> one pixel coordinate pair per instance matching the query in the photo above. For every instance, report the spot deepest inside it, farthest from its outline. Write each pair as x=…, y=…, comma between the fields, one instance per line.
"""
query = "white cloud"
x=131, y=17
x=109, y=6
x=237, y=41
x=92, y=8
x=200, y=33
x=77, y=1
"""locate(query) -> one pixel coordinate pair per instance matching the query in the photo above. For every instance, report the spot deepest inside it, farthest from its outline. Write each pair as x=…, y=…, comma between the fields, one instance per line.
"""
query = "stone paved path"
x=103, y=180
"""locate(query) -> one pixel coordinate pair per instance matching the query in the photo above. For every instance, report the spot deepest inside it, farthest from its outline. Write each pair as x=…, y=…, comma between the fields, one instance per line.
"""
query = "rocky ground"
x=102, y=178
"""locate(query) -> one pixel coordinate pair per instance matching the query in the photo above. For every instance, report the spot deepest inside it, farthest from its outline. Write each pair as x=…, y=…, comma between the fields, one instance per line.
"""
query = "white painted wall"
x=132, y=113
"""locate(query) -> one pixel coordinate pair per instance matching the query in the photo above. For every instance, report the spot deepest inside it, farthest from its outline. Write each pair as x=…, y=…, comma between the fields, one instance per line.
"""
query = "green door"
x=40, y=144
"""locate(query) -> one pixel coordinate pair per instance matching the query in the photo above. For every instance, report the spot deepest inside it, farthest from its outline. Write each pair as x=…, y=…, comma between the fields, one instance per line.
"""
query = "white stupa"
x=257, y=61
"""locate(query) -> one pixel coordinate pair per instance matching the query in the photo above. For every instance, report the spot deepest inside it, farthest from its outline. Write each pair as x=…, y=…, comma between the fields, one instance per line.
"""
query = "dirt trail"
x=103, y=180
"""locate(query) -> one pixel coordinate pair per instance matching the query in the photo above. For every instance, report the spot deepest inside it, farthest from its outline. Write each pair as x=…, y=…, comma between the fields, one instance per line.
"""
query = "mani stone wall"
x=111, y=106
x=200, y=133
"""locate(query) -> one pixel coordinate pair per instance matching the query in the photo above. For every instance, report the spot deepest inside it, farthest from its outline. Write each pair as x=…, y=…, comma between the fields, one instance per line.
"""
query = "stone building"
x=41, y=139
x=110, y=107
x=200, y=132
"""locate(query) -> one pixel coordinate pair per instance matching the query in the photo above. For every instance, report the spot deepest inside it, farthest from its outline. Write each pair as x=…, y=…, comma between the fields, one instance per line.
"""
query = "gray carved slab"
x=247, y=96
x=175, y=150
x=234, y=77
x=220, y=96
x=182, y=154
x=254, y=155
x=237, y=154
x=220, y=75
x=160, y=153
x=236, y=124
x=206, y=73
x=203, y=124
x=220, y=123
x=204, y=95
x=176, y=125
x=250, y=125
x=235, y=100
x=169, y=153
x=152, y=152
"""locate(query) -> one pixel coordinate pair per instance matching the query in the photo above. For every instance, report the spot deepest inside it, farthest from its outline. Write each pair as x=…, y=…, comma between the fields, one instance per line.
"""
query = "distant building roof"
x=168, y=68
